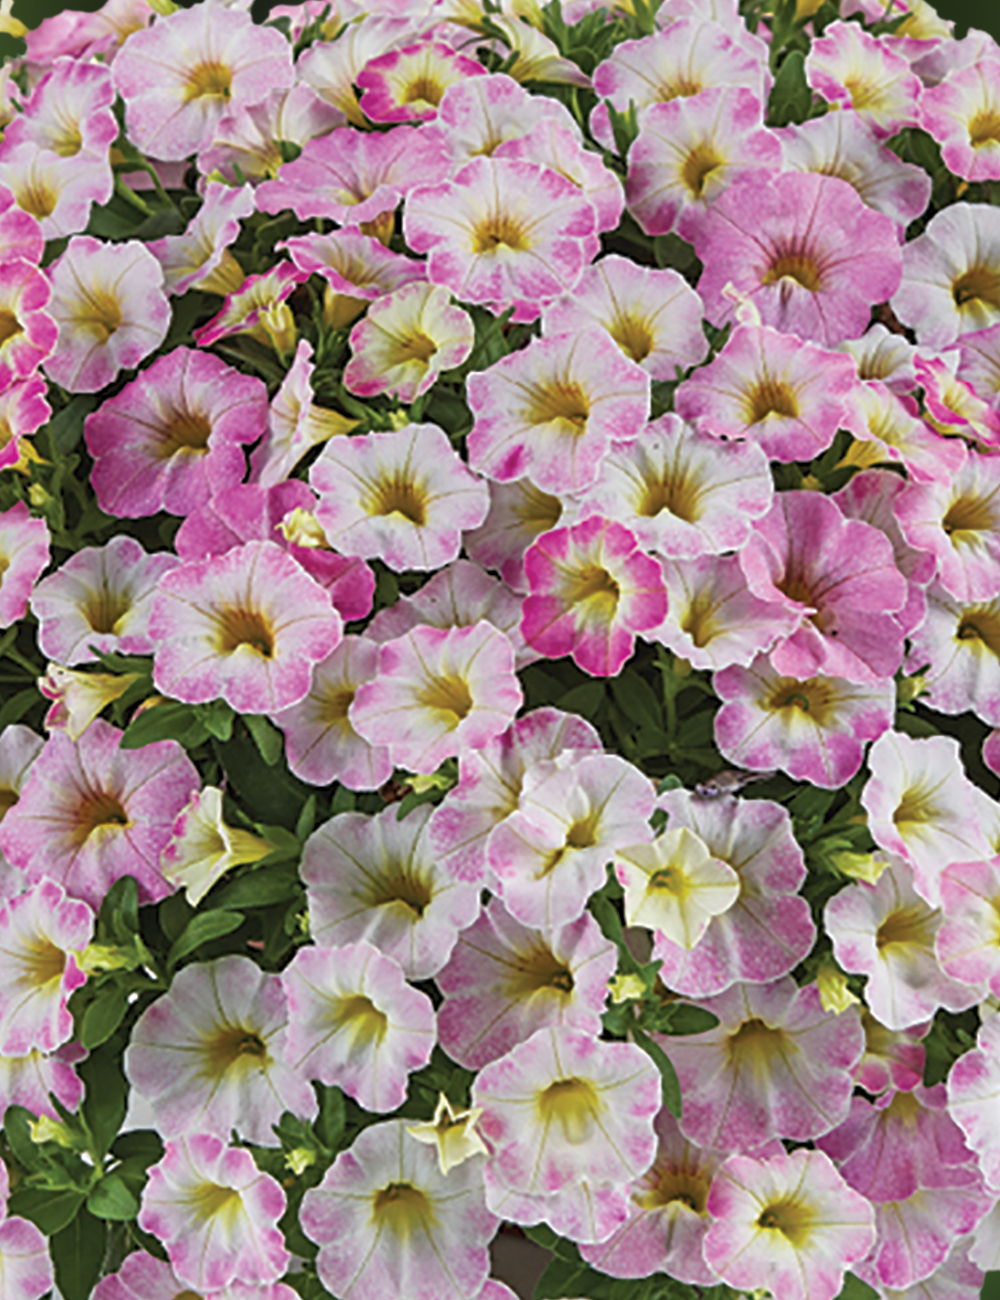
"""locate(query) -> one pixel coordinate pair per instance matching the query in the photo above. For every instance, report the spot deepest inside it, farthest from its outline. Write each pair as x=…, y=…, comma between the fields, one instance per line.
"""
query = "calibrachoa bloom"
x=19, y=747
x=963, y=116
x=24, y=1257
x=973, y=1087
x=957, y=646
x=60, y=192
x=518, y=514
x=203, y=848
x=357, y=269
x=23, y=409
x=968, y=942
x=258, y=308
x=854, y=69
x=200, y=258
x=407, y=85
x=24, y=553
x=28, y=332
x=144, y=1277
x=675, y=886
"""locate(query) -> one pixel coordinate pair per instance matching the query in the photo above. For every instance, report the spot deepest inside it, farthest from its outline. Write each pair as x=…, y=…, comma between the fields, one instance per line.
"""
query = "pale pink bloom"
x=951, y=275
x=890, y=429
x=579, y=1211
x=404, y=342
x=109, y=305
x=956, y=651
x=19, y=747
x=42, y=933
x=806, y=250
x=788, y=396
x=892, y=1058
x=144, y=1277
x=556, y=144
x=174, y=436
x=408, y=84
x=680, y=491
x=776, y=1065
x=24, y=1256
x=551, y=411
x=502, y=230
x=958, y=1278
x=247, y=137
x=952, y=404
x=968, y=942
x=790, y=1224
x=356, y=267
x=91, y=812
x=653, y=315
x=979, y=363
x=101, y=597
x=352, y=176
x=562, y=1108
x=24, y=553
x=321, y=744
x=82, y=35
x=491, y=780
x=20, y=234
x=984, y=1246
x=537, y=56
x=199, y=259
x=922, y=806
x=23, y=410
x=963, y=115
x=377, y=879
x=28, y=1080
x=592, y=589
x=210, y=1055
x=203, y=848
x=883, y=355
x=518, y=514
x=943, y=56
x=69, y=111
x=215, y=1212
x=973, y=1089
x=674, y=886
x=958, y=521
x=247, y=626
x=259, y=308
x=839, y=577
x=690, y=150
x=388, y=1222
x=574, y=813
x=852, y=68
x=814, y=729
x=356, y=1024
x=181, y=75
x=768, y=929
x=505, y=980
x=331, y=66
x=59, y=192
x=713, y=618
x=843, y=145
x=28, y=332
x=437, y=692
x=887, y=932
x=77, y=698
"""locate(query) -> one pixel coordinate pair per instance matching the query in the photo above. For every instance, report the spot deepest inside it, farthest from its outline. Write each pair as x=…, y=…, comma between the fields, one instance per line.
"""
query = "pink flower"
x=173, y=437
x=199, y=258
x=437, y=692
x=19, y=747
x=962, y=115
x=478, y=114
x=216, y=1213
x=20, y=234
x=408, y=84
x=852, y=68
x=556, y=144
x=790, y=1224
x=29, y=1080
x=69, y=111
x=23, y=410
x=889, y=428
x=953, y=650
x=592, y=589
x=968, y=942
x=109, y=305
x=179, y=76
x=59, y=192
x=892, y=1058
x=144, y=1277
x=24, y=553
x=102, y=597
x=973, y=1087
x=91, y=812
x=356, y=267
x=519, y=513
x=952, y=405
x=247, y=626
x=210, y=1055
x=258, y=307
x=27, y=331
x=24, y=1256
x=502, y=230
x=356, y=1024
x=804, y=248
x=246, y=138
x=979, y=363
x=786, y=395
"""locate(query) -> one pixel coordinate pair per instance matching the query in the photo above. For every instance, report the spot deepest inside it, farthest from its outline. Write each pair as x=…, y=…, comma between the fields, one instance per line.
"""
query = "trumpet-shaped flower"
x=356, y=1024
x=786, y=395
x=101, y=597
x=389, y=1222
x=962, y=114
x=437, y=692
x=979, y=363
x=557, y=145
x=144, y=1277
x=247, y=626
x=453, y=1133
x=247, y=139
x=851, y=68
x=41, y=934
x=377, y=879
x=403, y=496
x=479, y=114
x=258, y=307
x=973, y=1088
x=181, y=75
x=814, y=729
x=892, y=1058
x=110, y=308
x=952, y=405
x=957, y=648
x=21, y=236
x=331, y=66
x=405, y=341
x=24, y=1255
x=518, y=514
x=356, y=267
x=203, y=848
x=23, y=410
x=551, y=411
x=889, y=429
x=887, y=932
x=502, y=230
x=210, y=1055
x=790, y=1224
x=216, y=1213
x=968, y=942
x=31, y=1080
x=806, y=251
x=408, y=84
x=19, y=747
x=24, y=553
x=504, y=981
x=675, y=886
x=91, y=812
x=28, y=333
x=77, y=698
x=200, y=258
x=58, y=192
x=321, y=744
x=591, y=591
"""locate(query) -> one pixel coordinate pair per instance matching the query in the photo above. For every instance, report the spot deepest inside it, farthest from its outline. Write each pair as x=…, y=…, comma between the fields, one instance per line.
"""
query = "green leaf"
x=791, y=96
x=674, y=252
x=111, y=1199
x=671, y=1084
x=118, y=919
x=329, y=1123
x=682, y=1018
x=259, y=888
x=143, y=1144
x=106, y=1097
x=217, y=718
x=855, y=1289
x=201, y=929
x=50, y=1210
x=306, y=823
x=637, y=700
x=168, y=721
x=561, y=1278
x=17, y=1128
x=65, y=429
x=77, y=1254
x=585, y=699
x=18, y=705
x=104, y=1015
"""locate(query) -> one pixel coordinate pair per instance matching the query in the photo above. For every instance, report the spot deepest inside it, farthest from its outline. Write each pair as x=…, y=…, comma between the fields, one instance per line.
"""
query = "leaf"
x=682, y=1018
x=118, y=919
x=18, y=705
x=65, y=429
x=201, y=929
x=637, y=700
x=104, y=1015
x=560, y=1278
x=111, y=1199
x=77, y=1253
x=791, y=97
x=329, y=1123
x=106, y=1099
x=17, y=1123
x=50, y=1210
x=168, y=721
x=143, y=1144
x=259, y=889
x=306, y=823
x=217, y=717
x=855, y=1289
x=585, y=699
x=671, y=1084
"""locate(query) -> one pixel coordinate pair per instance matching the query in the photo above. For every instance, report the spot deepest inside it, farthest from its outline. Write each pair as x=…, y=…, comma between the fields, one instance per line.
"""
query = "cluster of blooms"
x=522, y=485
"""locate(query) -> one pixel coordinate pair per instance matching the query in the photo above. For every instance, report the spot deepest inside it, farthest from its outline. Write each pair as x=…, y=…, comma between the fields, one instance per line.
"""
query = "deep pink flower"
x=24, y=553
x=29, y=333
x=961, y=114
x=21, y=236
x=853, y=68
x=23, y=410
x=406, y=85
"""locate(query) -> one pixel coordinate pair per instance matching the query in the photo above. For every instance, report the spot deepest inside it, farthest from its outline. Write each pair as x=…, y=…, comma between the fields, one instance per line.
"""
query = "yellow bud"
x=860, y=866
x=38, y=496
x=834, y=995
x=810, y=483
x=97, y=957
x=624, y=988
x=163, y=7
x=302, y=528
x=300, y=1159
x=910, y=688
x=45, y=1129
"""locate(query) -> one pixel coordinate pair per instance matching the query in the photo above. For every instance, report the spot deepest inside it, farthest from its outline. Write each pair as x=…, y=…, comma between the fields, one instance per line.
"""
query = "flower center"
x=337, y=704
x=68, y=143
x=669, y=880
x=399, y=496
x=670, y=1185
x=594, y=586
x=233, y=1045
x=574, y=1105
x=106, y=609
x=698, y=621
x=540, y=969
x=682, y=88
x=426, y=90
x=418, y=347
x=500, y=231
x=699, y=165
x=360, y=1015
x=915, y=807
x=402, y=884
x=44, y=963
x=789, y=1217
x=581, y=835
x=770, y=397
x=36, y=197
x=403, y=1209
x=908, y=925
x=677, y=495
x=798, y=267
x=538, y=510
x=245, y=627
x=977, y=284
x=754, y=1044
x=968, y=516
x=99, y=315
x=982, y=628
x=186, y=432
x=449, y=697
x=565, y=404
x=864, y=93
x=814, y=697
x=96, y=811
x=985, y=129
x=205, y=79
x=10, y=326
x=633, y=336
